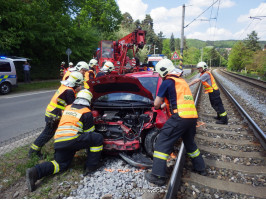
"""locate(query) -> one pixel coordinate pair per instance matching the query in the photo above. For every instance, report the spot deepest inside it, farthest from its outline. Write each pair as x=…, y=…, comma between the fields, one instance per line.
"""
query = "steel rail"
x=260, y=84
x=258, y=132
x=175, y=179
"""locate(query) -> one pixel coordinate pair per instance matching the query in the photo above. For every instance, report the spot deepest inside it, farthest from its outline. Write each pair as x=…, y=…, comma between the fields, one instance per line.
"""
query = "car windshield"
x=150, y=83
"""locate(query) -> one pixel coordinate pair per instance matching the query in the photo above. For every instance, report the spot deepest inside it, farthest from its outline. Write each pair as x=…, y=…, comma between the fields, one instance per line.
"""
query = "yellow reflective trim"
x=194, y=154
x=187, y=113
x=90, y=129
x=96, y=149
x=61, y=139
x=186, y=106
x=223, y=114
x=56, y=166
x=57, y=106
x=35, y=147
x=62, y=101
x=160, y=155
x=6, y=76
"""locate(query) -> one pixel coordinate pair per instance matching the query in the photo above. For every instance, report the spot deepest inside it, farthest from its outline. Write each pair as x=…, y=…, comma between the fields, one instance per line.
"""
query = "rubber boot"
x=218, y=117
x=31, y=178
x=91, y=169
x=160, y=181
x=223, y=120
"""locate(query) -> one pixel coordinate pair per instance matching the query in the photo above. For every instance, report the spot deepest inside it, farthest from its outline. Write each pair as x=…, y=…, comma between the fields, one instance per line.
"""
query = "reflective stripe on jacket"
x=185, y=102
x=70, y=124
x=88, y=74
x=207, y=87
x=56, y=102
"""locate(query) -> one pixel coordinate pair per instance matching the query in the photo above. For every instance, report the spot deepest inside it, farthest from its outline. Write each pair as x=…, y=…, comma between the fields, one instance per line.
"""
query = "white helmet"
x=75, y=78
x=163, y=67
x=93, y=62
x=82, y=65
x=62, y=63
x=108, y=67
x=203, y=65
x=71, y=63
x=85, y=94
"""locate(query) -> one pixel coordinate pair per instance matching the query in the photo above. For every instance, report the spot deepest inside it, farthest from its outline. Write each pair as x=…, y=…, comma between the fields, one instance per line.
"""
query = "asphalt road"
x=22, y=113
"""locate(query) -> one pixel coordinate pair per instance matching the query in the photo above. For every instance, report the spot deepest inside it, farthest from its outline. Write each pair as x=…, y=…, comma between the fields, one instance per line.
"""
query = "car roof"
x=143, y=74
x=13, y=58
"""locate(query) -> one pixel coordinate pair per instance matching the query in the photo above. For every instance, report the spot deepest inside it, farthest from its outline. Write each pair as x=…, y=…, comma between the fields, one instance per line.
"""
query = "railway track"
x=235, y=158
x=248, y=80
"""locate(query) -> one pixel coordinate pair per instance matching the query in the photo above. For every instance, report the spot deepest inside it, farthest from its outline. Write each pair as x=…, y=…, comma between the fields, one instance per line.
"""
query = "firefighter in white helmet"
x=212, y=89
x=81, y=67
x=89, y=75
x=107, y=68
x=175, y=92
x=75, y=132
x=65, y=95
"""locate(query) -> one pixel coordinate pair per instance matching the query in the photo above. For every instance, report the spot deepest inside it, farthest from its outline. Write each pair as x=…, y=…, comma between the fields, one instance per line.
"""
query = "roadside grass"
x=13, y=167
x=38, y=85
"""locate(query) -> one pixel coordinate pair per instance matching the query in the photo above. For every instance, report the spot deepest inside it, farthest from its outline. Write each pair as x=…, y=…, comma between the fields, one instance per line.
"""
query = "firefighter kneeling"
x=179, y=101
x=75, y=132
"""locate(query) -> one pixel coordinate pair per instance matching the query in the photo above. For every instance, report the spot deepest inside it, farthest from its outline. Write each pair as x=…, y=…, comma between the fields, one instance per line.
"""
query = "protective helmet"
x=93, y=62
x=82, y=65
x=85, y=94
x=62, y=63
x=203, y=65
x=108, y=67
x=163, y=67
x=75, y=78
x=71, y=63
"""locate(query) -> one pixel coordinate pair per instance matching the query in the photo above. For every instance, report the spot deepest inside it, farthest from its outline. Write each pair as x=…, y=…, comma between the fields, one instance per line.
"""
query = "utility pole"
x=182, y=36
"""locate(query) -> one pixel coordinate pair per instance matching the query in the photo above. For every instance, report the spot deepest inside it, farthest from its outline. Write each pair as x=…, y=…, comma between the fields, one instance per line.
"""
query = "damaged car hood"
x=117, y=84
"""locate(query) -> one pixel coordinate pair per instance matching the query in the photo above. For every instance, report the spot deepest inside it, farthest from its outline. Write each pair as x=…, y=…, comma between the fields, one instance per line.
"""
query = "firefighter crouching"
x=91, y=73
x=75, y=132
x=65, y=95
x=175, y=92
x=212, y=89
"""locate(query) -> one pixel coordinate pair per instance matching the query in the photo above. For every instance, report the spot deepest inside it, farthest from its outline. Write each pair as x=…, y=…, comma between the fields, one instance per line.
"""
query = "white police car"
x=9, y=67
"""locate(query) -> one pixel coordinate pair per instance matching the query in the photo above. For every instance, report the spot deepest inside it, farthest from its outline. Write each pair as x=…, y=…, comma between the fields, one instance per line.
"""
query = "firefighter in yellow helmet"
x=65, y=95
x=75, y=132
x=212, y=89
x=175, y=92
x=91, y=73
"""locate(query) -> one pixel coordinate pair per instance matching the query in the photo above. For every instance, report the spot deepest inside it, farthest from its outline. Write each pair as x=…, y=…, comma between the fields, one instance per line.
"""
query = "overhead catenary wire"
x=201, y=14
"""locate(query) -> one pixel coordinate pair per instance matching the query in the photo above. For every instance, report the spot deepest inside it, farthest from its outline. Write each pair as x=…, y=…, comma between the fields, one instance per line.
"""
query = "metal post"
x=182, y=36
x=154, y=50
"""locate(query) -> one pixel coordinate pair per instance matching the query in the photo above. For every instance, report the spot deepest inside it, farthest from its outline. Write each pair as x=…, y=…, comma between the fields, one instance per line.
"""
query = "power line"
x=201, y=14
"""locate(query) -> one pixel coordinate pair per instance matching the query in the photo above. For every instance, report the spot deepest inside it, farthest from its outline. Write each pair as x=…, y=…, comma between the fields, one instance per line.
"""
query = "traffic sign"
x=175, y=56
x=68, y=51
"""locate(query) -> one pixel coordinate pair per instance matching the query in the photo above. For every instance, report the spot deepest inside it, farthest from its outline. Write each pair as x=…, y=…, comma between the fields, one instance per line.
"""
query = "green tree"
x=251, y=42
x=160, y=41
x=127, y=22
x=177, y=43
x=239, y=57
x=172, y=43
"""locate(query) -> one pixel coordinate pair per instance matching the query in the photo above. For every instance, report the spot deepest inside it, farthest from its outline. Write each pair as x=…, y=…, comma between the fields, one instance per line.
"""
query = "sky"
x=204, y=19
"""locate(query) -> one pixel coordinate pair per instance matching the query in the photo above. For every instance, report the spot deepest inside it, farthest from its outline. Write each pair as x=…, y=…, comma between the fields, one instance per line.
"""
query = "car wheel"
x=150, y=141
x=5, y=88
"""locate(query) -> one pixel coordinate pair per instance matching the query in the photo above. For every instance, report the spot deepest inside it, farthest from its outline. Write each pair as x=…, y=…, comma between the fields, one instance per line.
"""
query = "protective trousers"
x=65, y=151
x=216, y=102
x=46, y=134
x=173, y=129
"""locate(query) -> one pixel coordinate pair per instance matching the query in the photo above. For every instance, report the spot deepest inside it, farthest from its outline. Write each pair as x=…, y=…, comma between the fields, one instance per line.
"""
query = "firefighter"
x=75, y=132
x=71, y=65
x=64, y=96
x=214, y=94
x=62, y=68
x=91, y=73
x=176, y=95
x=81, y=67
x=107, y=69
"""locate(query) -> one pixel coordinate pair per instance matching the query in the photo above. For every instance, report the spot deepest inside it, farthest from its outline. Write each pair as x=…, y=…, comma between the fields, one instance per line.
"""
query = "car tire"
x=5, y=88
x=150, y=140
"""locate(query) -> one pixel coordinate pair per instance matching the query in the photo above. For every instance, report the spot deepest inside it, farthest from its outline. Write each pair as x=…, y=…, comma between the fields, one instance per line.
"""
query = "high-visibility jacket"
x=66, y=75
x=184, y=99
x=88, y=74
x=70, y=126
x=207, y=87
x=57, y=102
